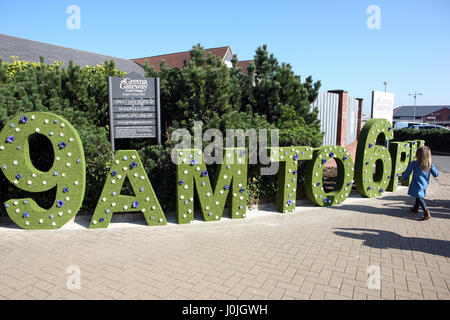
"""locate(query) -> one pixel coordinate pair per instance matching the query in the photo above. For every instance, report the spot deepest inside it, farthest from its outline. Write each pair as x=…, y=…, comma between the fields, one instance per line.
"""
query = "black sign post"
x=134, y=108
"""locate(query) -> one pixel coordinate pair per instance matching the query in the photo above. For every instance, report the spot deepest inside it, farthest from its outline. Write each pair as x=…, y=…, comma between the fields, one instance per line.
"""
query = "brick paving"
x=314, y=253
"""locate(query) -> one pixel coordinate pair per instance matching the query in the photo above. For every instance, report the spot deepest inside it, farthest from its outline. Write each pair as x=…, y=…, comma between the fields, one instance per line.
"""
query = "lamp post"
x=415, y=94
x=385, y=85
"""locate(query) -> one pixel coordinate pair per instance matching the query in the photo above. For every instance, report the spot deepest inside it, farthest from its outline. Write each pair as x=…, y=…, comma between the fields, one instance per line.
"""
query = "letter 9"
x=67, y=174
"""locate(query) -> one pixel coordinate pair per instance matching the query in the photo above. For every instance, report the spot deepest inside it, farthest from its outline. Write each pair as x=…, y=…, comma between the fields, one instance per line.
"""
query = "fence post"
x=359, y=125
x=342, y=117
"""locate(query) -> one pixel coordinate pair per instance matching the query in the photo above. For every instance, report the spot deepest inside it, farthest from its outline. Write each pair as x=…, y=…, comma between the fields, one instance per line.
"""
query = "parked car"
x=405, y=124
x=428, y=127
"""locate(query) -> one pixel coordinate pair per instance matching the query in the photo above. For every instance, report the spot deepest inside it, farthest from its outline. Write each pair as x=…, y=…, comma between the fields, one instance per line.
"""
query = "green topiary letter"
x=288, y=158
x=231, y=175
x=369, y=155
x=314, y=176
x=127, y=164
x=68, y=173
x=400, y=154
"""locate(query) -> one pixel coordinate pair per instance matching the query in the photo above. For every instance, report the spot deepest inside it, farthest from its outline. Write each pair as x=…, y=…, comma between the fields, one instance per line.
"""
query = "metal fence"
x=352, y=120
x=328, y=105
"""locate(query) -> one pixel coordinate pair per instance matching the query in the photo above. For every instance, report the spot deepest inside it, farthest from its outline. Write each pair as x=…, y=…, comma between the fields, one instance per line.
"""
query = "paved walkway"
x=314, y=253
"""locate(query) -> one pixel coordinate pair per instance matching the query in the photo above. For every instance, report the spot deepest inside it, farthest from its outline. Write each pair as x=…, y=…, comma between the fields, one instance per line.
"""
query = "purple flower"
x=51, y=216
x=226, y=187
x=60, y=203
x=324, y=161
x=242, y=152
x=65, y=190
x=295, y=172
x=204, y=173
x=326, y=200
x=26, y=215
x=133, y=164
x=296, y=157
x=114, y=173
x=331, y=154
x=344, y=158
x=193, y=162
x=10, y=139
x=370, y=145
x=24, y=119
x=369, y=188
x=242, y=190
x=318, y=184
x=62, y=145
x=367, y=163
x=19, y=176
x=390, y=128
x=136, y=204
x=348, y=184
x=181, y=181
x=289, y=202
x=102, y=219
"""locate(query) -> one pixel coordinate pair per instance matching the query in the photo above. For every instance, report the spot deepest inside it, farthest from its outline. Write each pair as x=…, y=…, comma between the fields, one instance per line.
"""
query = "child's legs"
x=421, y=202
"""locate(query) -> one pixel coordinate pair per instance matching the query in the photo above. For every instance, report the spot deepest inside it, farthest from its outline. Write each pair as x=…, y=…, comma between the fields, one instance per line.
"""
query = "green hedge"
x=436, y=139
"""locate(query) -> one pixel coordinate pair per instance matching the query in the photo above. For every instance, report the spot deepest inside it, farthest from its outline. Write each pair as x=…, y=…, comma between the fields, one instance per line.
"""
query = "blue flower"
x=62, y=145
x=331, y=154
x=56, y=121
x=19, y=176
x=79, y=161
x=324, y=161
x=381, y=190
x=107, y=211
x=10, y=139
x=60, y=203
x=367, y=163
x=295, y=172
x=296, y=157
x=348, y=184
x=51, y=216
x=114, y=173
x=133, y=164
x=370, y=145
x=193, y=162
x=55, y=173
x=24, y=119
x=242, y=190
x=344, y=158
x=242, y=152
x=369, y=188
x=326, y=200
x=136, y=204
x=26, y=215
x=65, y=190
x=289, y=202
x=204, y=173
x=390, y=128
x=226, y=187
x=181, y=181
x=102, y=219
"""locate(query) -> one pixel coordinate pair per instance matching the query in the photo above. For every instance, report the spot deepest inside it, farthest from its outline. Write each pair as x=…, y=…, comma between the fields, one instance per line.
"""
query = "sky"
x=344, y=44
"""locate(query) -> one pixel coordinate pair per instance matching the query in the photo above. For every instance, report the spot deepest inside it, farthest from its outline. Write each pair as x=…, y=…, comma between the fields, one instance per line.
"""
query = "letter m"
x=230, y=177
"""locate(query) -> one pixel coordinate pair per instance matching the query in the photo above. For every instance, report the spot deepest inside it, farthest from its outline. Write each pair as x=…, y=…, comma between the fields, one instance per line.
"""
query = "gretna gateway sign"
x=376, y=169
x=134, y=107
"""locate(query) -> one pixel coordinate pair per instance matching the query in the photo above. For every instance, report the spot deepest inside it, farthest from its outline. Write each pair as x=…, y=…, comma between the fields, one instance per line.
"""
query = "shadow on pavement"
x=381, y=239
x=398, y=206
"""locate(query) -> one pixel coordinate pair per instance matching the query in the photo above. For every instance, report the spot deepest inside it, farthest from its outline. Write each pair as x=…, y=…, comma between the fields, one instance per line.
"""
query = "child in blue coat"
x=421, y=170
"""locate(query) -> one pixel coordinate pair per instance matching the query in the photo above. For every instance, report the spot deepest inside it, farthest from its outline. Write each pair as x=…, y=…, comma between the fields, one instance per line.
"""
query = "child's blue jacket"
x=420, y=179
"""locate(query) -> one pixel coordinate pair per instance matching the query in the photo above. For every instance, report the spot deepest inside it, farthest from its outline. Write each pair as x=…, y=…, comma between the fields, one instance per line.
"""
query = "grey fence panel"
x=352, y=120
x=327, y=104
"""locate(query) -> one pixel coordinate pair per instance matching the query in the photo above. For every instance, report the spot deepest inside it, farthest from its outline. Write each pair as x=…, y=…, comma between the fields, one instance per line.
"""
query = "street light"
x=415, y=94
x=385, y=85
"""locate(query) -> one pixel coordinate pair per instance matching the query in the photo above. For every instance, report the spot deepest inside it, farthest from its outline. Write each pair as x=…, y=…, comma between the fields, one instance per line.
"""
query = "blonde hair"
x=423, y=155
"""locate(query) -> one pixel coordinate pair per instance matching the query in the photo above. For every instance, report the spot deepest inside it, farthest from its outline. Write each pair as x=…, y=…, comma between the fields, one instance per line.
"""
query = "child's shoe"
x=426, y=215
x=414, y=209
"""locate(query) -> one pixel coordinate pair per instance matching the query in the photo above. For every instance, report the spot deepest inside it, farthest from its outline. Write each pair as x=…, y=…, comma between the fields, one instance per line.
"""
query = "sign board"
x=134, y=107
x=383, y=105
